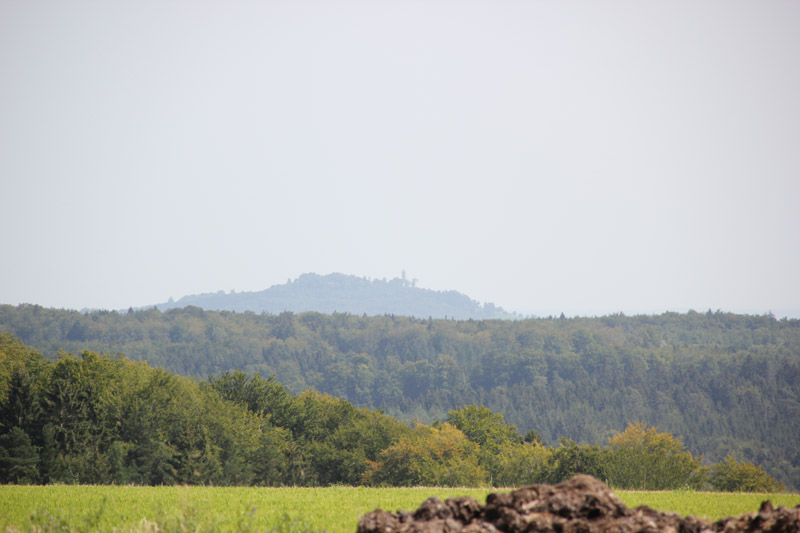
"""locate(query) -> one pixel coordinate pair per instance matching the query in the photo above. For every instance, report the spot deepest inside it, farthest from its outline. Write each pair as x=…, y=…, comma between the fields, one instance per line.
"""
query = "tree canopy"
x=727, y=384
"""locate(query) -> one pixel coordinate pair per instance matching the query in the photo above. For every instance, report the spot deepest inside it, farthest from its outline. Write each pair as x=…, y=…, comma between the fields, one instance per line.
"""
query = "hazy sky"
x=586, y=157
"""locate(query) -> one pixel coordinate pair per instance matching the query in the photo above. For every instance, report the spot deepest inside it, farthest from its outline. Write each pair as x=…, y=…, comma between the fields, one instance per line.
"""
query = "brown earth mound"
x=581, y=505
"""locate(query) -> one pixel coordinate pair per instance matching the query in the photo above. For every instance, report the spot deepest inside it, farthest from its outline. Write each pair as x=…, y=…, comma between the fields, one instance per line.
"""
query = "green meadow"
x=281, y=510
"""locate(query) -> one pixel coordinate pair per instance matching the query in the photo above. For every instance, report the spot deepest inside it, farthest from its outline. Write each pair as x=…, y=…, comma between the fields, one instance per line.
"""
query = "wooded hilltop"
x=343, y=293
x=728, y=385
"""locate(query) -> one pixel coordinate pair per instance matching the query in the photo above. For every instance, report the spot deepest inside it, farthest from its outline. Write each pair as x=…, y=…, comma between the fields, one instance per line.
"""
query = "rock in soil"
x=580, y=505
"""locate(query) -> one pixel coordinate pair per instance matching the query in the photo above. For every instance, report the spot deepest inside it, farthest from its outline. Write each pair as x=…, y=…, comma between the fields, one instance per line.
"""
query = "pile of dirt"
x=582, y=504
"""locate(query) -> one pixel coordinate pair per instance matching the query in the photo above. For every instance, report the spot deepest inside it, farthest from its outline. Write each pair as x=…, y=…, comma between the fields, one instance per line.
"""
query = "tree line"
x=728, y=384
x=106, y=419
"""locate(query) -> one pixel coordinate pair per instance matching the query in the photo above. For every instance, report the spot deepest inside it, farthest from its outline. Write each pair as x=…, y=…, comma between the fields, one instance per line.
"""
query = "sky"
x=573, y=156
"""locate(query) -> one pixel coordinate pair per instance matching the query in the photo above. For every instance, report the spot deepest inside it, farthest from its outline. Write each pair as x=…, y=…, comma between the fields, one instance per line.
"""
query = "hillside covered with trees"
x=727, y=384
x=346, y=294
x=98, y=419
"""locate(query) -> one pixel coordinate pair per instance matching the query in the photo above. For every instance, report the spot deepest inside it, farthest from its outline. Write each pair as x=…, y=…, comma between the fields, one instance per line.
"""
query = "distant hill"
x=347, y=294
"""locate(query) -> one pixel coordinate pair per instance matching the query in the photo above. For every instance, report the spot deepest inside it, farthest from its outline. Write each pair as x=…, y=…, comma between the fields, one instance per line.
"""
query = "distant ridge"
x=347, y=294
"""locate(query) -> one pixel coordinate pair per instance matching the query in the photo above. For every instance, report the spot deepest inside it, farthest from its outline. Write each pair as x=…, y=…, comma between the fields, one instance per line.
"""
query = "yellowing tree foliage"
x=643, y=458
x=429, y=456
x=741, y=476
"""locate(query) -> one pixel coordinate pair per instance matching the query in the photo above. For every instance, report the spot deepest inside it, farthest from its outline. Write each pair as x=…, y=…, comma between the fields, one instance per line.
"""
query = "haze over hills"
x=347, y=294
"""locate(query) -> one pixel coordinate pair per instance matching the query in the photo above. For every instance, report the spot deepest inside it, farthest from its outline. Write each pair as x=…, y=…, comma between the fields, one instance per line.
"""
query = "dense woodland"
x=728, y=384
x=98, y=419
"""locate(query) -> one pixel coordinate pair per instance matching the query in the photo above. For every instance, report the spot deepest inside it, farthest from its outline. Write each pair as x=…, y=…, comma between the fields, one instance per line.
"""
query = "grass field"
x=283, y=510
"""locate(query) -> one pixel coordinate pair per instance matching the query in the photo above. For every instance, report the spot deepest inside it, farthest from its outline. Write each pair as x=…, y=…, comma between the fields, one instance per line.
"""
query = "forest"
x=727, y=384
x=96, y=419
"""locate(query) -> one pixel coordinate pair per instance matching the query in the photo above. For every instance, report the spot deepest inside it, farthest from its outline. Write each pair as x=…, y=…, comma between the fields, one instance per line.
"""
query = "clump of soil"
x=580, y=505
